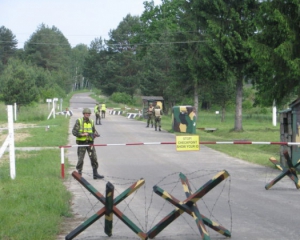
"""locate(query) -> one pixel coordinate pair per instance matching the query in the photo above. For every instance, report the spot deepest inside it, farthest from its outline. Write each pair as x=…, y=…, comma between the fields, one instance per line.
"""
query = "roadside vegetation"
x=35, y=203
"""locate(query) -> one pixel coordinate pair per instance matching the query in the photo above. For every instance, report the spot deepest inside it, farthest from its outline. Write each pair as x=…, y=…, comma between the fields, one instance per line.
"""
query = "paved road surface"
x=240, y=203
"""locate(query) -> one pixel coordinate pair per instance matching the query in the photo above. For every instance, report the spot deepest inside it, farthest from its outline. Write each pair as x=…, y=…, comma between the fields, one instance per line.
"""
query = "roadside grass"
x=256, y=128
x=35, y=203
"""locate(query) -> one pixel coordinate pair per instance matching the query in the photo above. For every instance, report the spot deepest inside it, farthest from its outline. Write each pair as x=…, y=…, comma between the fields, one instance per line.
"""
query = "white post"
x=274, y=118
x=48, y=101
x=12, y=158
x=53, y=108
x=62, y=158
x=54, y=100
x=15, y=111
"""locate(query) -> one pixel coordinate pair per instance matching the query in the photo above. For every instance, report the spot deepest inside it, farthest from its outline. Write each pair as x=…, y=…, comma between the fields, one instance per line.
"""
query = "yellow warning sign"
x=187, y=143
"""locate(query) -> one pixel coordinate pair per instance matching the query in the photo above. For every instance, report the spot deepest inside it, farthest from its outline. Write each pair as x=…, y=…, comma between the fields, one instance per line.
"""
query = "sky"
x=80, y=21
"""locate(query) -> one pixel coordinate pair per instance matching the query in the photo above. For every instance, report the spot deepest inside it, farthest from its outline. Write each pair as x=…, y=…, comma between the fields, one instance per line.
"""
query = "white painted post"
x=15, y=111
x=274, y=118
x=53, y=107
x=50, y=114
x=4, y=146
x=48, y=101
x=12, y=158
x=54, y=100
x=62, y=158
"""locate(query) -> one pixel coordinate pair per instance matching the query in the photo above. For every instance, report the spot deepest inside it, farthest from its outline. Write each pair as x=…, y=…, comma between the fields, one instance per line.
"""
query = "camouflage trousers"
x=157, y=122
x=103, y=113
x=81, y=153
x=150, y=119
x=98, y=118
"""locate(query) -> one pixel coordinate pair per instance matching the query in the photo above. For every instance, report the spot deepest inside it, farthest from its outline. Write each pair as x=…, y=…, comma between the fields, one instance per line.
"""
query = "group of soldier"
x=154, y=113
x=99, y=110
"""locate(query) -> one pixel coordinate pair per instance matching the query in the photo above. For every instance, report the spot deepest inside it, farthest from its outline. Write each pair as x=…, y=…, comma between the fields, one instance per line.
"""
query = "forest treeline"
x=198, y=52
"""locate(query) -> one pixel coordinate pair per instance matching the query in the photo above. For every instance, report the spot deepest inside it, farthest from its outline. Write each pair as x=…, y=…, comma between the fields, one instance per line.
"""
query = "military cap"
x=86, y=110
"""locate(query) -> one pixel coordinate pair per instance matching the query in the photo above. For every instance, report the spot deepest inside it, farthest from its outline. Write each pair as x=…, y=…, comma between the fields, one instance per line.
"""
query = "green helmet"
x=86, y=110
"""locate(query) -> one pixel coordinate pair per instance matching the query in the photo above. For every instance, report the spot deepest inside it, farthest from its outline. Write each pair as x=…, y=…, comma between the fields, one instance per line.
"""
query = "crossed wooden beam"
x=110, y=208
x=289, y=171
x=189, y=206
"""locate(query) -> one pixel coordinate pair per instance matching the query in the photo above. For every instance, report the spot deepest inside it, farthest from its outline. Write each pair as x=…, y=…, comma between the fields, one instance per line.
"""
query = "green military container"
x=290, y=132
x=184, y=119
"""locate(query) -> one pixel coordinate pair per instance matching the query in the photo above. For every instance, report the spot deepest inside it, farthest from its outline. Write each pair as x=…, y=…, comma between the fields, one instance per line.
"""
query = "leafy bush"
x=247, y=104
x=121, y=98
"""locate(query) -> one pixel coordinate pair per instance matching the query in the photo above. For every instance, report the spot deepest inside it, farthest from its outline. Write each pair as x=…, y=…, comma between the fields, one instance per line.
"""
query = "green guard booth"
x=155, y=100
x=184, y=119
x=290, y=131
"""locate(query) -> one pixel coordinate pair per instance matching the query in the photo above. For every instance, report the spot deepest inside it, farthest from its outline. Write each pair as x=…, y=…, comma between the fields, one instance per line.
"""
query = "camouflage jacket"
x=158, y=112
x=76, y=128
x=150, y=110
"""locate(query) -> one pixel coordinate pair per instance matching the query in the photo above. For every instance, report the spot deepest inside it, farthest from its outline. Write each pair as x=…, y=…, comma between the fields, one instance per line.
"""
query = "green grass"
x=256, y=128
x=34, y=203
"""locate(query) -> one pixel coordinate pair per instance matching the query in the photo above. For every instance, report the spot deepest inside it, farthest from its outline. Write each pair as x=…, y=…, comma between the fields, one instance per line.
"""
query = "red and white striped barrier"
x=165, y=143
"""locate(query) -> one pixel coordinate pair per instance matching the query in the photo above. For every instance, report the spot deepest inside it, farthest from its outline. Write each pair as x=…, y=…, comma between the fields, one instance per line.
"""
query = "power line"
x=117, y=44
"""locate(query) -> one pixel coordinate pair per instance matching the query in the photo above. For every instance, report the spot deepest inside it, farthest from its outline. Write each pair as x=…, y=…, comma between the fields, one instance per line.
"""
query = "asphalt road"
x=240, y=203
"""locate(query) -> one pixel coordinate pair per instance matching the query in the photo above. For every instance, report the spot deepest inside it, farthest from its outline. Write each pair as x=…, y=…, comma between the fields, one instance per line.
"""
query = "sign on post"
x=187, y=143
x=53, y=108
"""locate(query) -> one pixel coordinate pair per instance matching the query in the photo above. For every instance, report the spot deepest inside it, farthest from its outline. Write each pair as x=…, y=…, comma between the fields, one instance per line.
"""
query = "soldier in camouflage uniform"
x=97, y=114
x=157, y=117
x=150, y=112
x=84, y=130
x=103, y=110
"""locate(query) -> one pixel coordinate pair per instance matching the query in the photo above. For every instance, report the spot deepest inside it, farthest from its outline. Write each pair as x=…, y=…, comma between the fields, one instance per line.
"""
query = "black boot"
x=96, y=175
x=159, y=129
x=147, y=126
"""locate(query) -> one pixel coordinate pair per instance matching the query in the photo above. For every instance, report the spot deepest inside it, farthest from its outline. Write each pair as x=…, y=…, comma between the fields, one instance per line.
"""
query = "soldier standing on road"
x=97, y=114
x=103, y=110
x=157, y=115
x=84, y=130
x=150, y=112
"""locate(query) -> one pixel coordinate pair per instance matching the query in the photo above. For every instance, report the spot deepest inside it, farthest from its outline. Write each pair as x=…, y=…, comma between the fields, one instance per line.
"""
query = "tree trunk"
x=196, y=99
x=238, y=107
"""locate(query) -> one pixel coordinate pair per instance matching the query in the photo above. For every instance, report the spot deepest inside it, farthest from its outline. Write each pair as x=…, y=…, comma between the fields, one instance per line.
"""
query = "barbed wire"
x=165, y=181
